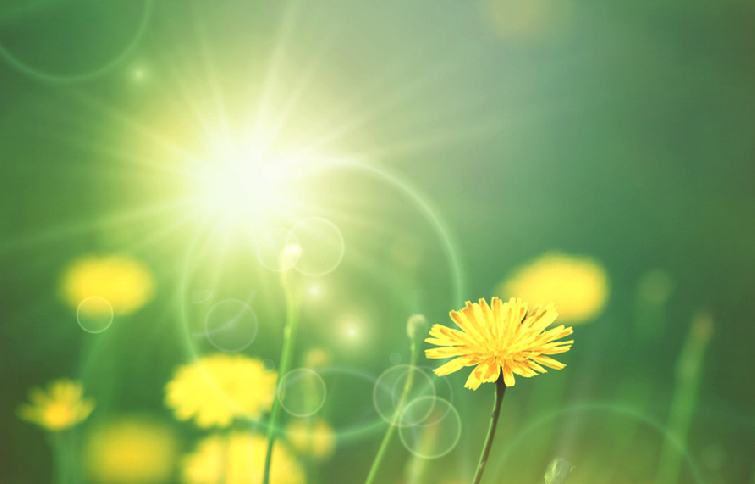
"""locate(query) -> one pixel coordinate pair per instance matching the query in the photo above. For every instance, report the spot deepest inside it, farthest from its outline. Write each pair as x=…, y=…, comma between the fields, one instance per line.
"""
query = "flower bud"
x=558, y=471
x=415, y=325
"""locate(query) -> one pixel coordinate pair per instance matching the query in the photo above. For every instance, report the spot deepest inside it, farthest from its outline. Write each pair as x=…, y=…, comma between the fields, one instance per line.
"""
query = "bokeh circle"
x=322, y=246
x=275, y=249
x=302, y=392
x=231, y=325
x=389, y=389
x=430, y=435
x=94, y=314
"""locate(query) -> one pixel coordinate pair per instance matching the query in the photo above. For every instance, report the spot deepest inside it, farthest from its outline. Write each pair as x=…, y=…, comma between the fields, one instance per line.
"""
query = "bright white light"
x=314, y=290
x=139, y=74
x=293, y=252
x=240, y=193
x=353, y=334
x=352, y=331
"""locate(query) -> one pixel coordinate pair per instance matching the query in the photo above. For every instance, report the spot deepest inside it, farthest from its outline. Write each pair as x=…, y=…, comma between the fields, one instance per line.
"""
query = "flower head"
x=578, y=285
x=312, y=438
x=218, y=388
x=238, y=458
x=126, y=283
x=316, y=357
x=61, y=407
x=130, y=450
x=500, y=338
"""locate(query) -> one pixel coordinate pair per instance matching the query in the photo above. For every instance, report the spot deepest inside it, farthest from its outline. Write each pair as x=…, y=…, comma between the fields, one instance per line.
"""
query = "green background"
x=618, y=130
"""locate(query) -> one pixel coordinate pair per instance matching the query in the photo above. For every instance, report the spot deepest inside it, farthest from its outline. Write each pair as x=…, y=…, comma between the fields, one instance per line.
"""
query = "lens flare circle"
x=231, y=325
x=389, y=389
x=322, y=246
x=277, y=249
x=302, y=392
x=434, y=434
x=54, y=78
x=94, y=314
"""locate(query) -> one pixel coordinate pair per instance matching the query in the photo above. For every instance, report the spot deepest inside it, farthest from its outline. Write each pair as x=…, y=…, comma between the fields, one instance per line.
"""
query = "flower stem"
x=60, y=451
x=500, y=390
x=414, y=348
x=289, y=337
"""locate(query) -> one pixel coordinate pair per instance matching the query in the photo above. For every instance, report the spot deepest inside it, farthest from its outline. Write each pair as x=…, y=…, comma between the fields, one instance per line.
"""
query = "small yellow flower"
x=316, y=439
x=239, y=458
x=578, y=285
x=58, y=409
x=218, y=388
x=500, y=338
x=316, y=357
x=130, y=449
x=124, y=282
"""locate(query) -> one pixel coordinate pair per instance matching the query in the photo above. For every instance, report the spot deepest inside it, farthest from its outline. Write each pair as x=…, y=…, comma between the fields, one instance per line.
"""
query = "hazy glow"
x=352, y=331
x=314, y=291
x=139, y=74
x=239, y=191
x=293, y=252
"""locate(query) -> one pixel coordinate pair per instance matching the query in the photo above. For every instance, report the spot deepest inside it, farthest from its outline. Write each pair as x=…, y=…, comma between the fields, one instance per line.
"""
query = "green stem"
x=289, y=337
x=396, y=416
x=689, y=368
x=60, y=451
x=500, y=390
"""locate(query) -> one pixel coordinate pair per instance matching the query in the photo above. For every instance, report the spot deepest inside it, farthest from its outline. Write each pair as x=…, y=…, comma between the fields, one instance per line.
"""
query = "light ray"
x=78, y=228
x=272, y=72
x=135, y=127
x=211, y=75
x=386, y=105
x=86, y=143
x=298, y=91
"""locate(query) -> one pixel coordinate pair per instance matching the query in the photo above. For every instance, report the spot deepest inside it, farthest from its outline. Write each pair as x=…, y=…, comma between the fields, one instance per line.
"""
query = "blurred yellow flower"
x=316, y=357
x=239, y=458
x=125, y=282
x=316, y=439
x=218, y=388
x=61, y=407
x=500, y=338
x=577, y=285
x=130, y=450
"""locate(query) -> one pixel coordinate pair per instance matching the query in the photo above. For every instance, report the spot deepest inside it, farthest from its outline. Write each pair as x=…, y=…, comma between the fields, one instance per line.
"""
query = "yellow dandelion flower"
x=316, y=439
x=578, y=285
x=239, y=458
x=500, y=338
x=218, y=388
x=126, y=283
x=130, y=449
x=61, y=407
